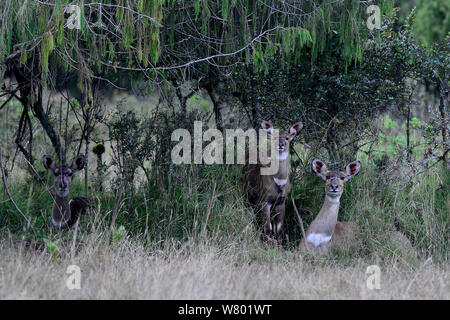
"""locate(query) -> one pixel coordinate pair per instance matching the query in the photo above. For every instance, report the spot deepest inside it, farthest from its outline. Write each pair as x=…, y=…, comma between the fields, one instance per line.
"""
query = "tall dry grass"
x=206, y=270
x=191, y=237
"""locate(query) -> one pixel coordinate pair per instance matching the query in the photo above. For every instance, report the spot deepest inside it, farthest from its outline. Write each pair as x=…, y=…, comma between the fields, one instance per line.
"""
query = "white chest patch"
x=283, y=156
x=318, y=238
x=278, y=226
x=59, y=224
x=280, y=182
x=333, y=199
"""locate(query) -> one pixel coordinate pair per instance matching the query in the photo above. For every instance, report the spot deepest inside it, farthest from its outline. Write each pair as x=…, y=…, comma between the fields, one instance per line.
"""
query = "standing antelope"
x=325, y=230
x=270, y=191
x=65, y=211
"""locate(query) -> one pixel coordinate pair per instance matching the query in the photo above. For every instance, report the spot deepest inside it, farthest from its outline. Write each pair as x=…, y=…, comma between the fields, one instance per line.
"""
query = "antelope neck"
x=61, y=210
x=282, y=173
x=61, y=200
x=283, y=156
x=326, y=220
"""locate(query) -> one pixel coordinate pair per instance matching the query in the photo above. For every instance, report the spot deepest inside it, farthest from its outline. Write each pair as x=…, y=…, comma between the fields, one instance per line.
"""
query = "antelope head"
x=335, y=180
x=284, y=136
x=63, y=173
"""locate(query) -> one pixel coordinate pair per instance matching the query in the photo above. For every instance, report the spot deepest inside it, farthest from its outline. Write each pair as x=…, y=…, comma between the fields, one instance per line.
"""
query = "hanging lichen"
x=196, y=8
x=138, y=34
x=47, y=46
x=225, y=7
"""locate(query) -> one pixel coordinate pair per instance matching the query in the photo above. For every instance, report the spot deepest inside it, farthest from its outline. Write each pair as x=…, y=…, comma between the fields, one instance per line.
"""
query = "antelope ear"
x=267, y=126
x=295, y=129
x=78, y=163
x=320, y=168
x=352, y=169
x=49, y=163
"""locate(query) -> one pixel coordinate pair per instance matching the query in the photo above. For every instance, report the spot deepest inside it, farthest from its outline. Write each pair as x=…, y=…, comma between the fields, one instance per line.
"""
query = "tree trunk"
x=408, y=135
x=442, y=109
x=31, y=98
x=86, y=156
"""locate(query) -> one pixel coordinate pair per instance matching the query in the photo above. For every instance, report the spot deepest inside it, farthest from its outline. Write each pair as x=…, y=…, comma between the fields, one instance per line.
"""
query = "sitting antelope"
x=65, y=211
x=269, y=192
x=325, y=230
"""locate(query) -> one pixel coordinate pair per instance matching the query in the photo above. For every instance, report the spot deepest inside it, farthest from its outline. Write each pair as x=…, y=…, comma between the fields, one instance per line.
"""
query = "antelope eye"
x=328, y=177
x=342, y=178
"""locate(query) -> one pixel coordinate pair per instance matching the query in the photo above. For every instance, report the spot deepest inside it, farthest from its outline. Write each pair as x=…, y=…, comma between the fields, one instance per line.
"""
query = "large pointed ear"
x=320, y=168
x=78, y=163
x=352, y=169
x=266, y=125
x=295, y=130
x=49, y=163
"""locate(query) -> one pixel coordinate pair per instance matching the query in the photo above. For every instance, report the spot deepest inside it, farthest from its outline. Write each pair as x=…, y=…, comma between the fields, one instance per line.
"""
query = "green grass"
x=200, y=202
x=189, y=230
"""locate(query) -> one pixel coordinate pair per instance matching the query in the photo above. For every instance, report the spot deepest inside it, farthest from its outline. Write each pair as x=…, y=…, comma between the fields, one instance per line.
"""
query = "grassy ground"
x=198, y=241
x=207, y=271
x=187, y=234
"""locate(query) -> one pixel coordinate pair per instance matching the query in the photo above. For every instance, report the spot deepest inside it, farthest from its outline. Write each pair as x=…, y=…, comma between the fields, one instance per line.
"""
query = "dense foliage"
x=284, y=61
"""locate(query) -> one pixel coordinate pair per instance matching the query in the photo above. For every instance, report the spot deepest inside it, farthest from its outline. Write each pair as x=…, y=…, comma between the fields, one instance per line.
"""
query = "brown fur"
x=66, y=211
x=72, y=209
x=326, y=224
x=262, y=190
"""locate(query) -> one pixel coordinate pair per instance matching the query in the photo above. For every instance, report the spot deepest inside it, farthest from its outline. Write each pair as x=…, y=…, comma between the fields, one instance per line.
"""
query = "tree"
x=161, y=42
x=337, y=103
x=433, y=21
